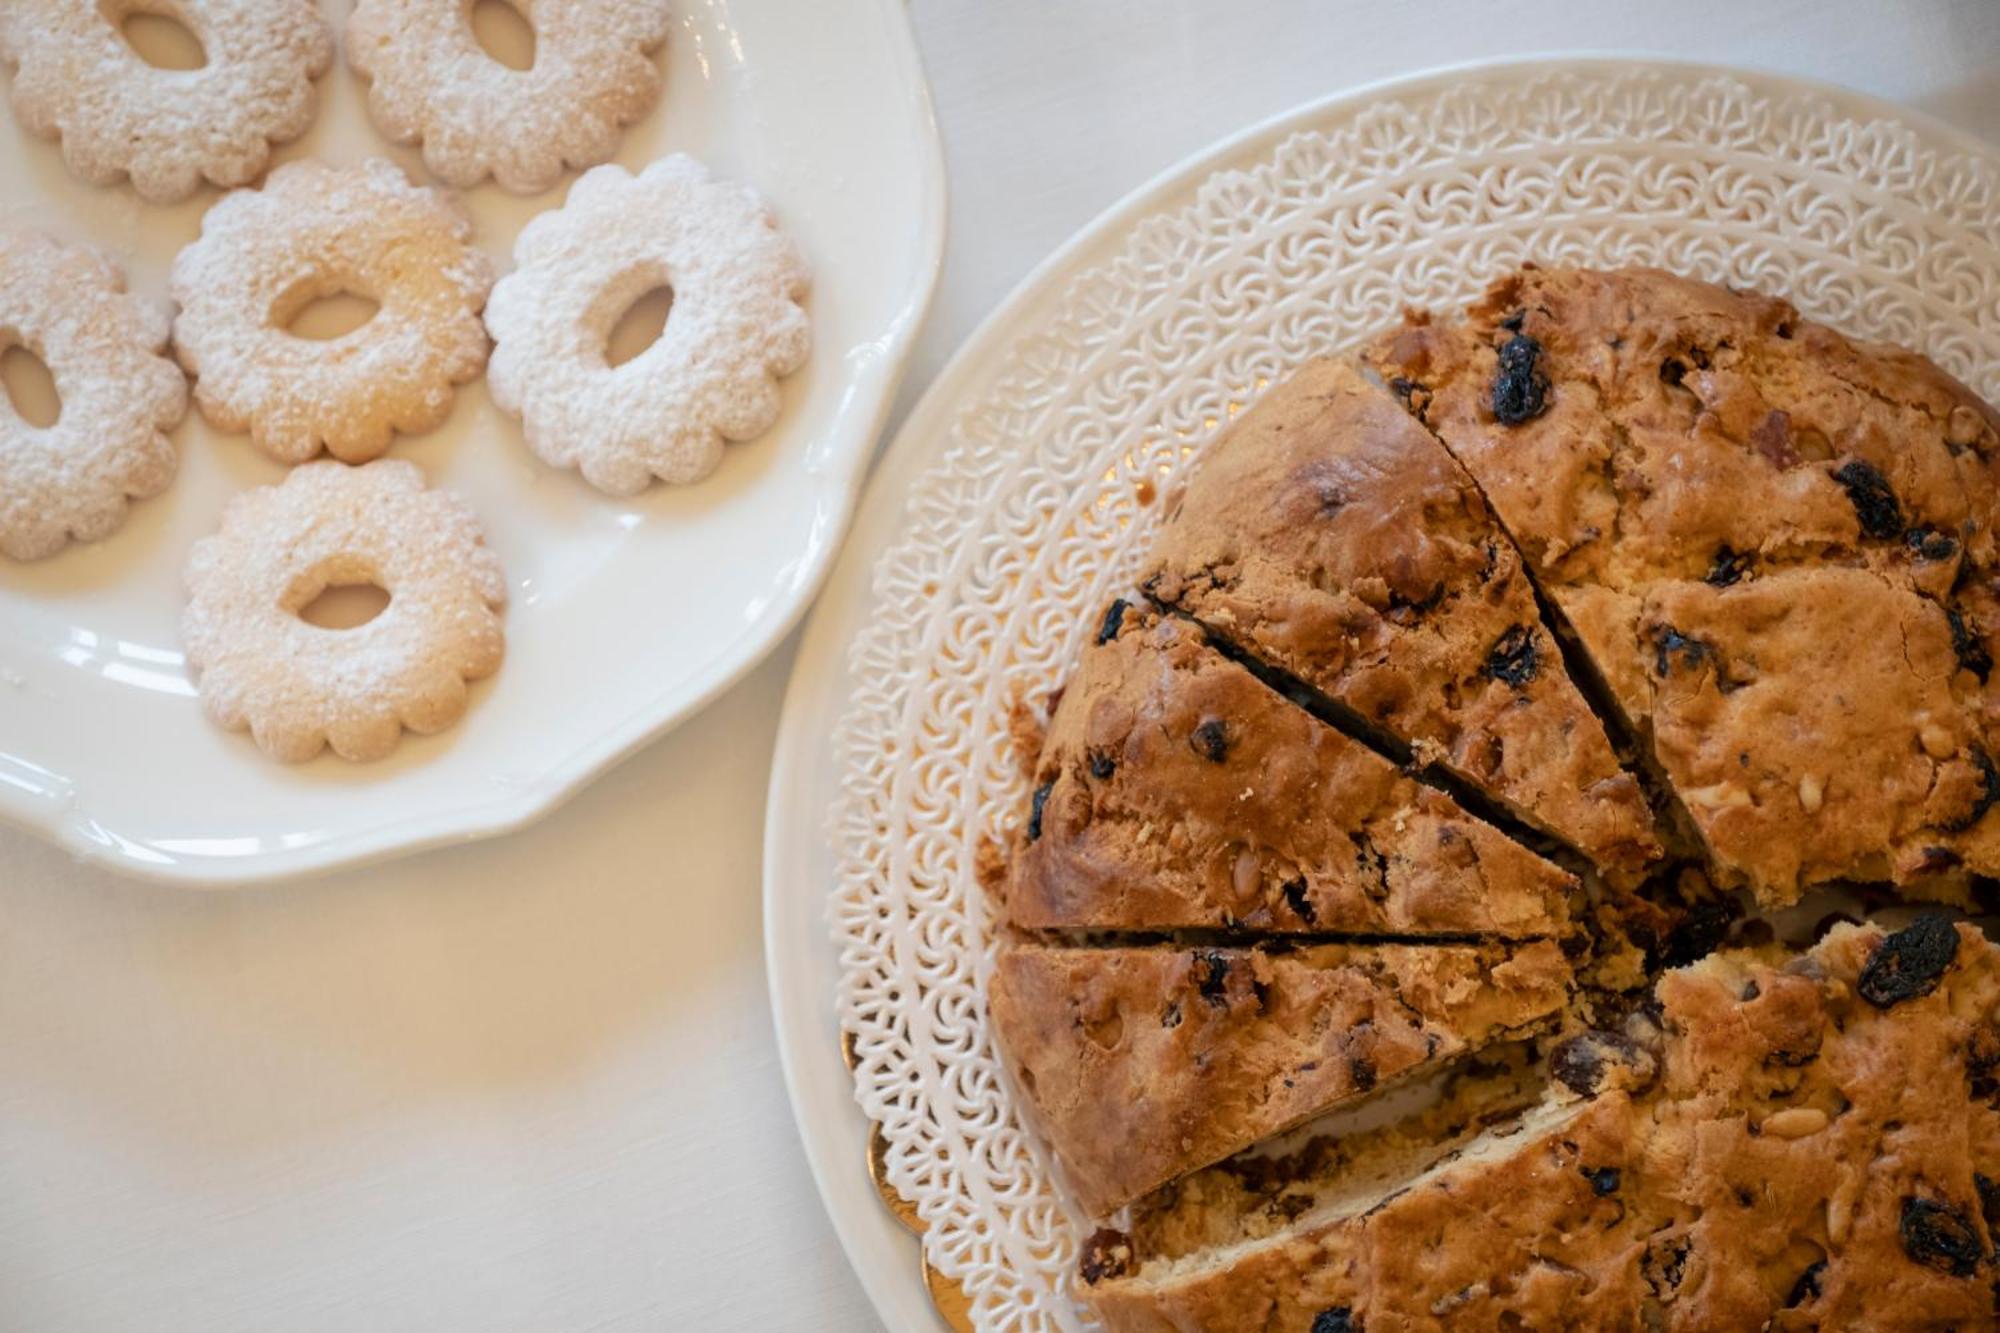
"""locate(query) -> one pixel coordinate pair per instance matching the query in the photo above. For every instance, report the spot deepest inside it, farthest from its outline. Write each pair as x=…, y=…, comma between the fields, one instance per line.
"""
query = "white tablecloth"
x=531, y=1084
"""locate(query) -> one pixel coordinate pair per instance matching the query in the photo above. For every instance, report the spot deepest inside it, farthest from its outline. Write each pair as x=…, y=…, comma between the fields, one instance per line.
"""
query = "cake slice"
x=1815, y=1147
x=1144, y=1063
x=1330, y=537
x=1177, y=791
x=1678, y=462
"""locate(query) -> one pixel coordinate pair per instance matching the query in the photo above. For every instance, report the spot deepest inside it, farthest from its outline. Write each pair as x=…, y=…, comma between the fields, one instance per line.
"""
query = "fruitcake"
x=1814, y=1144
x=1328, y=535
x=1473, y=693
x=1774, y=543
x=1175, y=790
x=1144, y=1063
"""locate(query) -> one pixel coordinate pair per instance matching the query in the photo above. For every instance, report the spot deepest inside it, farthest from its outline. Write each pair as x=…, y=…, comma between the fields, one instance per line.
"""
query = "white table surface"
x=531, y=1084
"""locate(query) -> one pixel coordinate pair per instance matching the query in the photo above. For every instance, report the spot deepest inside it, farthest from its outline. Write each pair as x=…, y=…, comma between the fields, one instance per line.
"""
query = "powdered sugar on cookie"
x=433, y=83
x=312, y=231
x=78, y=80
x=119, y=394
x=735, y=324
x=298, y=687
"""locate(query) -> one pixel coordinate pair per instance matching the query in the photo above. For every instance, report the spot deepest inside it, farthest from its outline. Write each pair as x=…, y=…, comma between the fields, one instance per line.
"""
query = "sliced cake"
x=1775, y=543
x=1141, y=1064
x=1177, y=791
x=1330, y=537
x=1816, y=1147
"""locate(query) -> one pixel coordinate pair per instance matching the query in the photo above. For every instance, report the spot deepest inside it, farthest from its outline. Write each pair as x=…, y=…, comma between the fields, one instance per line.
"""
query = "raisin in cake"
x=1330, y=537
x=1816, y=1147
x=1774, y=543
x=1142, y=1064
x=1177, y=791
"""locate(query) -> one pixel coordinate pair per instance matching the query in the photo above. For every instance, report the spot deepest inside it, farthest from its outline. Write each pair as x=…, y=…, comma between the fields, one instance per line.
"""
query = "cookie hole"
x=30, y=387
x=640, y=326
x=322, y=318
x=504, y=33
x=161, y=40
x=345, y=605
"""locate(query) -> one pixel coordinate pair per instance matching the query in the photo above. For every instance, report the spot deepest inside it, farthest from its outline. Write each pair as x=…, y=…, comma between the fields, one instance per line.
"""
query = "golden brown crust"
x=1178, y=791
x=1142, y=1064
x=1819, y=1153
x=1681, y=439
x=1331, y=536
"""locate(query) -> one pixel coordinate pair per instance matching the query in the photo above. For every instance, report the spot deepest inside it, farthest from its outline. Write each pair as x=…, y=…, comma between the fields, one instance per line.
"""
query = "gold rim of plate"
x=954, y=1307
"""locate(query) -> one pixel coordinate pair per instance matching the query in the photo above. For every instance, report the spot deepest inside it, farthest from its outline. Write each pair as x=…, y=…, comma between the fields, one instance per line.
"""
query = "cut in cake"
x=1177, y=791
x=1142, y=1064
x=1328, y=535
x=1817, y=1150
x=1775, y=543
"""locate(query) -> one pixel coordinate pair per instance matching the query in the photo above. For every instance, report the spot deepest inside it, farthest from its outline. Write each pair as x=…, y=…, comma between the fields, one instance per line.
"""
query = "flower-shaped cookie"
x=431, y=82
x=77, y=79
x=312, y=231
x=298, y=686
x=119, y=395
x=734, y=326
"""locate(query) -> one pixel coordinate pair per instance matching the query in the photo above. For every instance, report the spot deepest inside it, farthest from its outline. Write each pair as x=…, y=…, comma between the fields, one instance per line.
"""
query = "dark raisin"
x=1041, y=798
x=1930, y=544
x=1989, y=792
x=1910, y=962
x=1295, y=895
x=1989, y=1199
x=1728, y=566
x=1696, y=935
x=1672, y=371
x=1514, y=660
x=1936, y=860
x=1403, y=388
x=1520, y=390
x=1669, y=642
x=1212, y=977
x=1363, y=1072
x=1982, y=1063
x=1170, y=1017
x=1784, y=329
x=1340, y=1319
x=1807, y=1287
x=1107, y=1254
x=1114, y=618
x=1578, y=1062
x=1874, y=503
x=1603, y=1179
x=1514, y=321
x=1102, y=766
x=1699, y=355
x=1751, y=990
x=1970, y=647
x=1211, y=740
x=1939, y=1236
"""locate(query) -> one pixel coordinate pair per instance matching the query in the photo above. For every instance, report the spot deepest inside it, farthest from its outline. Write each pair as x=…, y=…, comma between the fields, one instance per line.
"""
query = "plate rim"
x=67, y=825
x=798, y=940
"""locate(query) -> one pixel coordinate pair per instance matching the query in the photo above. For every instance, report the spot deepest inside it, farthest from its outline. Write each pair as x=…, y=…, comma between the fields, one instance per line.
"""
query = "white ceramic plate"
x=1017, y=497
x=625, y=615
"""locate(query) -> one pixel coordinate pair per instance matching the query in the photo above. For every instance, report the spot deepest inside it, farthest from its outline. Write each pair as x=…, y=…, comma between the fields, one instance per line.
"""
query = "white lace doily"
x=1034, y=512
